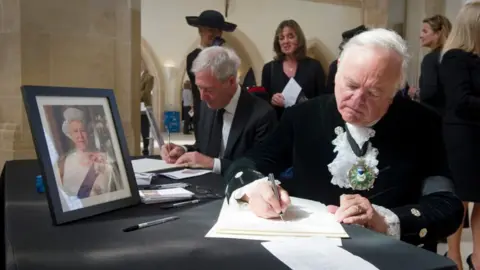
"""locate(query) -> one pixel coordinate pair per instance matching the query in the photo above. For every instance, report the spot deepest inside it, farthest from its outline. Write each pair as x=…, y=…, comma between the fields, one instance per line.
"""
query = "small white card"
x=185, y=173
x=290, y=92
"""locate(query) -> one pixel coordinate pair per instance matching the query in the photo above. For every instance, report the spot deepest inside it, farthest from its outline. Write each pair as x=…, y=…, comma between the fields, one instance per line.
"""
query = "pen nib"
x=281, y=216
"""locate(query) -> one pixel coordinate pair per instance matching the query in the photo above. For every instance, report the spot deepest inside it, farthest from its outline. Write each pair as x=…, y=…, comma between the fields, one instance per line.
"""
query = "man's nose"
x=358, y=98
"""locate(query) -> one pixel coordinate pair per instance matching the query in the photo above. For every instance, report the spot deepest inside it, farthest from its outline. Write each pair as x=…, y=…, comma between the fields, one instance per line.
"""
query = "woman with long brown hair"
x=291, y=62
x=460, y=79
x=434, y=33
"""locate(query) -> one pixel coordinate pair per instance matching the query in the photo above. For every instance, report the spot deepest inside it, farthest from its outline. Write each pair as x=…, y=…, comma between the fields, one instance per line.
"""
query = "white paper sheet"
x=149, y=165
x=213, y=234
x=143, y=179
x=303, y=218
x=291, y=92
x=315, y=254
x=185, y=173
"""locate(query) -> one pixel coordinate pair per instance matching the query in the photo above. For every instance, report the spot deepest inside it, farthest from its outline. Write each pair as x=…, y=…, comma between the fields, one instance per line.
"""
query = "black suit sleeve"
x=273, y=155
x=458, y=84
x=439, y=212
x=429, y=71
x=263, y=128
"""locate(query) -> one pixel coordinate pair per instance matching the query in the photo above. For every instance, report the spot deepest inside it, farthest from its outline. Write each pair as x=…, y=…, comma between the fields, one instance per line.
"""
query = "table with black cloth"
x=32, y=242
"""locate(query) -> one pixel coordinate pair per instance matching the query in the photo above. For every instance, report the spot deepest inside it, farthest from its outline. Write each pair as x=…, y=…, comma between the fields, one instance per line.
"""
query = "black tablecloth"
x=32, y=242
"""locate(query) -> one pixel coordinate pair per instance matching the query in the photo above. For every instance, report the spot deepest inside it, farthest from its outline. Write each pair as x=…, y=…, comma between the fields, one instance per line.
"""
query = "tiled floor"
x=466, y=245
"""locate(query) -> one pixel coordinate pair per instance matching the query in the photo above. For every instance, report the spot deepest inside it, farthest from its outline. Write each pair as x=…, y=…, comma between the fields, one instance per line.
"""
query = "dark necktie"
x=215, y=142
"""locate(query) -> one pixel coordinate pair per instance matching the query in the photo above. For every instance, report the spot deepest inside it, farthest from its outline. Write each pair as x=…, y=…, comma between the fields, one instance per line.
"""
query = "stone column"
x=76, y=43
x=11, y=107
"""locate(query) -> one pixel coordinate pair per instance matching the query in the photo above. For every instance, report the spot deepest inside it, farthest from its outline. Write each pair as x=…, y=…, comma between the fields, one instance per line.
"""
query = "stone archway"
x=154, y=68
x=317, y=50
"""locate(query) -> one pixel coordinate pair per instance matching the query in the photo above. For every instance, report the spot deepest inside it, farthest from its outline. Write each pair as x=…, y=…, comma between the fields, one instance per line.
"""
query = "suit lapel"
x=240, y=119
x=209, y=115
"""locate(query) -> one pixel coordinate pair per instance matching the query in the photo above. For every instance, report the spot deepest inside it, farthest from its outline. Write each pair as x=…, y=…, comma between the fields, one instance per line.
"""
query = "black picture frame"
x=56, y=195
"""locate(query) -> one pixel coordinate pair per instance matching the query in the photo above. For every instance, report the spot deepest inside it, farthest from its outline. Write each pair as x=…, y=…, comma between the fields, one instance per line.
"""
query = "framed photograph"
x=82, y=150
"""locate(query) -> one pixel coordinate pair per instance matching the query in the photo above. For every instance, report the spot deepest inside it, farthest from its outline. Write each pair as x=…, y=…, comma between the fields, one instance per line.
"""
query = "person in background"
x=232, y=120
x=187, y=99
x=460, y=80
x=332, y=70
x=291, y=63
x=435, y=31
x=210, y=24
x=349, y=152
x=146, y=86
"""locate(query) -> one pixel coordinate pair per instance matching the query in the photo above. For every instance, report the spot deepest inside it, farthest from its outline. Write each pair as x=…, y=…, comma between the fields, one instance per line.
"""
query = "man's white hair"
x=385, y=39
x=222, y=62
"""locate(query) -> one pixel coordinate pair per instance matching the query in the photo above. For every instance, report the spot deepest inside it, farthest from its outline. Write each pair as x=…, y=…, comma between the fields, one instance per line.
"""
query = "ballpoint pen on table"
x=275, y=191
x=150, y=223
x=180, y=204
x=165, y=186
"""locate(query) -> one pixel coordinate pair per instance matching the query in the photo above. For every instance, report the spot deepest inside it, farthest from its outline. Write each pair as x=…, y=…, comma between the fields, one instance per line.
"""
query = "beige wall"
x=77, y=43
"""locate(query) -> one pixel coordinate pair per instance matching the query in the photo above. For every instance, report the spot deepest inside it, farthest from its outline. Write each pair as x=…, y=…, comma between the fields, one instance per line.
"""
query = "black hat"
x=212, y=19
x=353, y=32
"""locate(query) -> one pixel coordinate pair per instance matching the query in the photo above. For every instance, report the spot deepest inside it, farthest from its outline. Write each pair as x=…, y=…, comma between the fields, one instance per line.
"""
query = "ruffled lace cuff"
x=392, y=220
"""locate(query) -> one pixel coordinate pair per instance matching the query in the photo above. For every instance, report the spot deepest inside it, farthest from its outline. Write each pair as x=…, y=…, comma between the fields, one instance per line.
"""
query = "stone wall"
x=76, y=43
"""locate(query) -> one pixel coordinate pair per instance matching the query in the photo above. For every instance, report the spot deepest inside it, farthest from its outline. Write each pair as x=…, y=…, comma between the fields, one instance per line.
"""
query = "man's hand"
x=355, y=209
x=261, y=200
x=195, y=159
x=278, y=100
x=171, y=152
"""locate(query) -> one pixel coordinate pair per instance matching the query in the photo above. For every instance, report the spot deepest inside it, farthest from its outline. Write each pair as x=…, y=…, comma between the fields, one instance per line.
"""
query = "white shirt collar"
x=232, y=105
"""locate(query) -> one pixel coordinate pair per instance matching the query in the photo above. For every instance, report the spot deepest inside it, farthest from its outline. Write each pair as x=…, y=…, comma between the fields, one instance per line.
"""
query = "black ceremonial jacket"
x=411, y=151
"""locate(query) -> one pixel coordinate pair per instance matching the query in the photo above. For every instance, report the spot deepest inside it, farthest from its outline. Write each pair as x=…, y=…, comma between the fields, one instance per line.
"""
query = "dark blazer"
x=253, y=121
x=431, y=93
x=460, y=77
x=310, y=76
x=195, y=92
x=304, y=138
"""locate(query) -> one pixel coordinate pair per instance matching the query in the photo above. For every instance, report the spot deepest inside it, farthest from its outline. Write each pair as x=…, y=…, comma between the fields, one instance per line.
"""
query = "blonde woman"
x=460, y=78
x=435, y=31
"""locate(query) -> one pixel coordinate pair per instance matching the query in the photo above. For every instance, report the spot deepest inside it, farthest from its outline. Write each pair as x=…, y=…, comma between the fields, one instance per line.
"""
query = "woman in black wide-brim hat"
x=211, y=24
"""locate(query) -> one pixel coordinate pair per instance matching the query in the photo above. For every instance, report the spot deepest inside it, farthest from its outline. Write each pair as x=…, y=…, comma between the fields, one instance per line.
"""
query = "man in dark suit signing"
x=211, y=24
x=231, y=121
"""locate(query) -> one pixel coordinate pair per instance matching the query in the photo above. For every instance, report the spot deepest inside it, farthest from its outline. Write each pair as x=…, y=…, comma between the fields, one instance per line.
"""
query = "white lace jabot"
x=346, y=158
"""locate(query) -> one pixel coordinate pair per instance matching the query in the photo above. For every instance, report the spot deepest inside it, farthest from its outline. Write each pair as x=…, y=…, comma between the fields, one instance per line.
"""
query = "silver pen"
x=150, y=223
x=275, y=191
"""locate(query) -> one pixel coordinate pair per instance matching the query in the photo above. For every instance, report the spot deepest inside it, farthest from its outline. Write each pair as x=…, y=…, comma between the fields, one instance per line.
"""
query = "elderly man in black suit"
x=349, y=152
x=232, y=120
x=211, y=25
